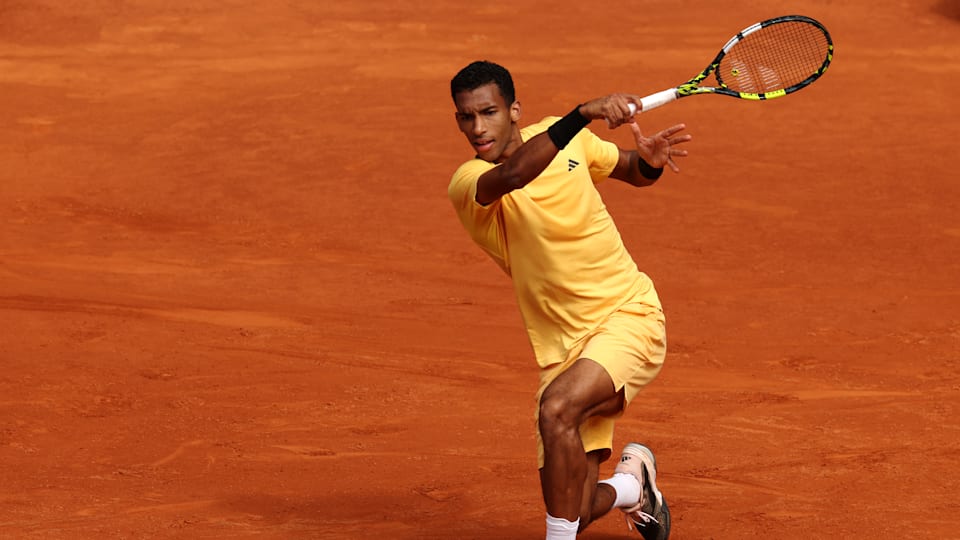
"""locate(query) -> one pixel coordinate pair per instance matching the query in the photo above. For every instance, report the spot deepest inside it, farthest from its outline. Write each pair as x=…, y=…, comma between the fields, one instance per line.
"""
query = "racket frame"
x=692, y=87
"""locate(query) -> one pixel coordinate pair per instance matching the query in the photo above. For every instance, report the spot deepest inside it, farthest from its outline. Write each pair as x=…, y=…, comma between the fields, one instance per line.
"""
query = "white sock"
x=561, y=529
x=627, y=487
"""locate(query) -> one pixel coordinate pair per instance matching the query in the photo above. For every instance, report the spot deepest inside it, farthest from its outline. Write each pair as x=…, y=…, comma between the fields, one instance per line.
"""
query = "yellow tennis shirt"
x=556, y=240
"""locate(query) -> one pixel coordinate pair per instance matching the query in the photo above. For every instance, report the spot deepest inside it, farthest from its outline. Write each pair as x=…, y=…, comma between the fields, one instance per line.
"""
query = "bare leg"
x=583, y=391
x=603, y=502
x=564, y=469
x=598, y=499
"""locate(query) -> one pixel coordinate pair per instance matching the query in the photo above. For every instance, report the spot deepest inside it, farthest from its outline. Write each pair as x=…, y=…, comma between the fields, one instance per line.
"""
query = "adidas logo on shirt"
x=571, y=164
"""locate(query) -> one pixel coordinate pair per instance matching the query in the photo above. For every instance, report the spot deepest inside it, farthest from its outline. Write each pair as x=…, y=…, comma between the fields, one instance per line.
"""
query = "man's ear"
x=515, y=111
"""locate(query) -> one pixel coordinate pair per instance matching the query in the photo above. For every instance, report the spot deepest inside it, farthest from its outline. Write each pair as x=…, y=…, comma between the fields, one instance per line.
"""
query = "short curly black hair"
x=480, y=73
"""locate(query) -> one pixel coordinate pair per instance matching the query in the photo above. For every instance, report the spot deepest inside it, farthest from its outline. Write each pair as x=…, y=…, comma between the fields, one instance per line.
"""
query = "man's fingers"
x=673, y=129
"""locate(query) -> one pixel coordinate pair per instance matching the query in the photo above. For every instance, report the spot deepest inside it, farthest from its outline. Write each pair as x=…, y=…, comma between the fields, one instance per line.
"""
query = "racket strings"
x=775, y=57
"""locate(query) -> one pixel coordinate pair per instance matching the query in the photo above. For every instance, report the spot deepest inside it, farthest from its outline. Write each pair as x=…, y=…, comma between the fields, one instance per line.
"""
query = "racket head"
x=774, y=58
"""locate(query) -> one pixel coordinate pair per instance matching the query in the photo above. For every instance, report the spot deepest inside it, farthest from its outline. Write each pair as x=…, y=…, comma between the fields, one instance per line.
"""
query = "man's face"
x=488, y=122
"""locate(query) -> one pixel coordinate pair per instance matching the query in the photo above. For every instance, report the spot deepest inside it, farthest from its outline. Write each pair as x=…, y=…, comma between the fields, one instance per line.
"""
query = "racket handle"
x=652, y=101
x=655, y=100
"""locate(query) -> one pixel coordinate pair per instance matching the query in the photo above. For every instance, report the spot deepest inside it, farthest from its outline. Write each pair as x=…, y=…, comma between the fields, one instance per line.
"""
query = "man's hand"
x=615, y=109
x=658, y=150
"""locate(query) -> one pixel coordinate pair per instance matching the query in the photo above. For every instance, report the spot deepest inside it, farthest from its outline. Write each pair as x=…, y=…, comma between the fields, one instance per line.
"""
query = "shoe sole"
x=665, y=522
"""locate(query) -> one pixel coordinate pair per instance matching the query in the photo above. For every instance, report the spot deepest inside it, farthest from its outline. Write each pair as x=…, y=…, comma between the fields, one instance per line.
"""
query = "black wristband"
x=565, y=129
x=648, y=171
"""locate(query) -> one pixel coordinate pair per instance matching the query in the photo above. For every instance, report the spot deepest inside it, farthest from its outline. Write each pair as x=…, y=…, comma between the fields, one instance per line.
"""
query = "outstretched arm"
x=533, y=156
x=642, y=167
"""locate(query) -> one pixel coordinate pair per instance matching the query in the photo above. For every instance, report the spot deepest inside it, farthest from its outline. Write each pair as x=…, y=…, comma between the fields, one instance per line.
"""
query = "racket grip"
x=655, y=100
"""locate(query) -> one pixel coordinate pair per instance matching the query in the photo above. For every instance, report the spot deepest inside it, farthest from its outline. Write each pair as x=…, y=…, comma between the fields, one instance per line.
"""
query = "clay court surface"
x=236, y=303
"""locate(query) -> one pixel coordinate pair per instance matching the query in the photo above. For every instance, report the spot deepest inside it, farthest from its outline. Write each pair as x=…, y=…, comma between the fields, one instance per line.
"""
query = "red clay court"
x=236, y=303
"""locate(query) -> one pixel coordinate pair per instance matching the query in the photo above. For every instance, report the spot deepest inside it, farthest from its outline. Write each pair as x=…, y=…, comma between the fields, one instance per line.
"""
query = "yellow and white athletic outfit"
x=579, y=291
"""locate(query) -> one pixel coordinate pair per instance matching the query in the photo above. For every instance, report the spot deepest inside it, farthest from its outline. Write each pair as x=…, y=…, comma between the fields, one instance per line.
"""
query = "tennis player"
x=528, y=199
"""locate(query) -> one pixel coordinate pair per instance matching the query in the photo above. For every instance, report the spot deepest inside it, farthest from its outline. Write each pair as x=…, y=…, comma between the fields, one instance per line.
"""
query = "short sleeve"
x=602, y=155
x=483, y=223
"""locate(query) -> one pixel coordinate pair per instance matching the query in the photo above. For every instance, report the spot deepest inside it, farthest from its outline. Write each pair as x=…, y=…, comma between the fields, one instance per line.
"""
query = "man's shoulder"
x=584, y=134
x=467, y=174
x=473, y=166
x=537, y=128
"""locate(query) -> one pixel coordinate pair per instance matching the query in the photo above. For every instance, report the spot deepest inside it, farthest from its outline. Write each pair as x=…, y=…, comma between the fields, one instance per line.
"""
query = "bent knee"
x=557, y=412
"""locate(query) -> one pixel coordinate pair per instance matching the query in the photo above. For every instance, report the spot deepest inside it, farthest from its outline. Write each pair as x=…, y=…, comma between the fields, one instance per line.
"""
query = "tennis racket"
x=767, y=60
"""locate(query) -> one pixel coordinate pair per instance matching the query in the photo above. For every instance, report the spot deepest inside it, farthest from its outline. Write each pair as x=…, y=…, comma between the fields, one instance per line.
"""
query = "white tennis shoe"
x=650, y=516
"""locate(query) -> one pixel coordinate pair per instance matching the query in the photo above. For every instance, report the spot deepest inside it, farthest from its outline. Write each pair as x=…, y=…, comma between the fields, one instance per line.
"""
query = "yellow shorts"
x=631, y=346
